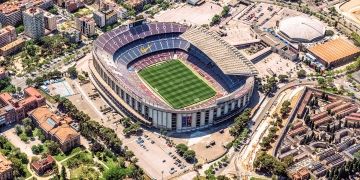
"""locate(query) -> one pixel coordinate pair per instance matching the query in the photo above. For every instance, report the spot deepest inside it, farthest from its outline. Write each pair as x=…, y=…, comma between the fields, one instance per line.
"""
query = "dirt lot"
x=237, y=32
x=197, y=15
x=351, y=10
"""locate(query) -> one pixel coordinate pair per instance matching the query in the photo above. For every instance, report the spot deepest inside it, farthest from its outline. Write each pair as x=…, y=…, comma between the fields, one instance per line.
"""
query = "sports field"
x=176, y=83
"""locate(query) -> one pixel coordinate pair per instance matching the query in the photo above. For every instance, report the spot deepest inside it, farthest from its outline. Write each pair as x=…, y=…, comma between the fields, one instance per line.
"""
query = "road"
x=248, y=151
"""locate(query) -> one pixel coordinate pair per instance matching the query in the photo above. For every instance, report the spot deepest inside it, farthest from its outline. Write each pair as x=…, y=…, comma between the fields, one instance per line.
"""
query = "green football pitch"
x=176, y=83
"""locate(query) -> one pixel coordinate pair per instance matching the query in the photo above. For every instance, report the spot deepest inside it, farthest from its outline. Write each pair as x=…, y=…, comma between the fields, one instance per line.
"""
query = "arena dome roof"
x=302, y=29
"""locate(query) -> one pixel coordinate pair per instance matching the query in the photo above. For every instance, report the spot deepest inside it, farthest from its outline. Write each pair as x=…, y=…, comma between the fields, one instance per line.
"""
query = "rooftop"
x=13, y=44
x=53, y=124
x=227, y=57
x=9, y=7
x=5, y=164
x=7, y=29
x=302, y=28
x=43, y=162
x=334, y=50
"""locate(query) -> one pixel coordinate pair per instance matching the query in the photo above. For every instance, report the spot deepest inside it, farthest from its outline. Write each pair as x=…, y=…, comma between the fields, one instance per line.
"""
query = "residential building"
x=110, y=5
x=73, y=35
x=56, y=128
x=73, y=5
x=86, y=26
x=105, y=17
x=12, y=47
x=301, y=174
x=34, y=23
x=50, y=21
x=6, y=170
x=43, y=165
x=14, y=107
x=11, y=11
x=7, y=35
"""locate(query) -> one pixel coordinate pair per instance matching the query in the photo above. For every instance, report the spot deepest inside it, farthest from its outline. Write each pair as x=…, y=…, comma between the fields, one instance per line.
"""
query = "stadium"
x=172, y=76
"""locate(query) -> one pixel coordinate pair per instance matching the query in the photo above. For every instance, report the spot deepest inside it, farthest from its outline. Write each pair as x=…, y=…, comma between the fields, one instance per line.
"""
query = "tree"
x=63, y=173
x=72, y=72
x=181, y=148
x=283, y=78
x=29, y=81
x=267, y=163
x=215, y=20
x=52, y=147
x=20, y=29
x=115, y=172
x=27, y=122
x=225, y=11
x=28, y=130
x=301, y=73
x=189, y=155
x=37, y=149
x=18, y=129
x=321, y=82
x=329, y=33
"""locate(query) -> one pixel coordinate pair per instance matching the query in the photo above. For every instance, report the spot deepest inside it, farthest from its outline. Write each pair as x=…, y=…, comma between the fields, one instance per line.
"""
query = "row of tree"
x=345, y=171
x=239, y=129
x=269, y=164
x=184, y=151
x=217, y=18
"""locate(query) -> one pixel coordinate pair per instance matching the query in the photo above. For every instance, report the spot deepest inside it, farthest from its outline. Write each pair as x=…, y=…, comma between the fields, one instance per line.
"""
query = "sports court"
x=176, y=83
x=62, y=88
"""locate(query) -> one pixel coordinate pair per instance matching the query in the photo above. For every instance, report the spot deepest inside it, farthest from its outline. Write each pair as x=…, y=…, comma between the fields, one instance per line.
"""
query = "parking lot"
x=160, y=160
x=266, y=15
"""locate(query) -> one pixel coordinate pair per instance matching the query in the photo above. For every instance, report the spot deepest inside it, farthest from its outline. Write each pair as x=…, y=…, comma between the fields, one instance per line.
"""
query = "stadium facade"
x=120, y=54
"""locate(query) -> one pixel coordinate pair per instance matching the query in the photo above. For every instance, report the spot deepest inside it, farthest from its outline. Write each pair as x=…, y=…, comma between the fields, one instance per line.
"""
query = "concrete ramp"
x=259, y=55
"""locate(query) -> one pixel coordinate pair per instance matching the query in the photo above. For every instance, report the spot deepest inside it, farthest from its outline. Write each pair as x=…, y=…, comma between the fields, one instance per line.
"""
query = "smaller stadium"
x=302, y=29
x=172, y=76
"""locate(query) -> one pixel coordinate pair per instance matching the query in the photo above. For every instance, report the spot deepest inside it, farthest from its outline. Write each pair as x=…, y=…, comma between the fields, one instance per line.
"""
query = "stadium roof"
x=227, y=57
x=334, y=50
x=302, y=28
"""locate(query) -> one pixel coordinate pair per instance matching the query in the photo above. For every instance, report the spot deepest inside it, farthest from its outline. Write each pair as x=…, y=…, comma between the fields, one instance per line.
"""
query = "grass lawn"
x=85, y=172
x=110, y=162
x=27, y=172
x=176, y=83
x=82, y=158
x=61, y=156
x=47, y=96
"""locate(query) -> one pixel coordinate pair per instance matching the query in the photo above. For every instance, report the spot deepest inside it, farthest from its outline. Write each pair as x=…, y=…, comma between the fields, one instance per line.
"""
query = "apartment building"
x=34, y=23
x=85, y=25
x=7, y=35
